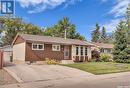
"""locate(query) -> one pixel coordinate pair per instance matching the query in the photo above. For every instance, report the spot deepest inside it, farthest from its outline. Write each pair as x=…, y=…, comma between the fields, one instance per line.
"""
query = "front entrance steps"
x=67, y=61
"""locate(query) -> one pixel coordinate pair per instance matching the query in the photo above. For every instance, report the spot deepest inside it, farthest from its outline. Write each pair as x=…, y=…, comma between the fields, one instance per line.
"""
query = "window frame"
x=77, y=50
x=86, y=51
x=81, y=50
x=56, y=45
x=37, y=46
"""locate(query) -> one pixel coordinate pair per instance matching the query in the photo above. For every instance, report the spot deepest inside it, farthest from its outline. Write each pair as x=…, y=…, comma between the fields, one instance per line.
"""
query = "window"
x=40, y=46
x=81, y=48
x=37, y=46
x=102, y=50
x=34, y=46
x=77, y=50
x=109, y=51
x=55, y=47
x=86, y=51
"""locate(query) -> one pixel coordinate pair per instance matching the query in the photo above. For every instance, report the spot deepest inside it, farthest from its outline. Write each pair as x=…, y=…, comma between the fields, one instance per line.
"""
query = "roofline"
x=18, y=34
x=14, y=39
x=57, y=43
x=101, y=46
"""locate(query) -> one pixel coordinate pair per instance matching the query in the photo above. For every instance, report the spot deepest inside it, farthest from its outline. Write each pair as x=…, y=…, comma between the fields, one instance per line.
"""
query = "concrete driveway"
x=116, y=80
x=33, y=73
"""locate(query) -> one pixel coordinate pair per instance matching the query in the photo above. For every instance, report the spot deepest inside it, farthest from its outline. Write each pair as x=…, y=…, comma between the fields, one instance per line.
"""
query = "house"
x=103, y=47
x=7, y=53
x=37, y=48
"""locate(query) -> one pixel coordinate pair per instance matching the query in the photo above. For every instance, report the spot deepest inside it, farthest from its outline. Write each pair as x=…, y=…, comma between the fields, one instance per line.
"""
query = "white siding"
x=73, y=51
x=89, y=53
x=19, y=52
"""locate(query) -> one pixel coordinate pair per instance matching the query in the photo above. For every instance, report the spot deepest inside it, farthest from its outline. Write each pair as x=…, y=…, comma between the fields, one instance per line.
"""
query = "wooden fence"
x=1, y=59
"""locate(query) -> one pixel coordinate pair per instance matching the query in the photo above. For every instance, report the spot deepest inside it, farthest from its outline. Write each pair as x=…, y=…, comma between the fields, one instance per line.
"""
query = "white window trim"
x=78, y=51
x=56, y=46
x=86, y=51
x=37, y=47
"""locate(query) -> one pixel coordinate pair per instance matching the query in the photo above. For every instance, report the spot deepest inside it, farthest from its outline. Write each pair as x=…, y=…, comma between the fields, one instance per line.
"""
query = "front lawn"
x=101, y=67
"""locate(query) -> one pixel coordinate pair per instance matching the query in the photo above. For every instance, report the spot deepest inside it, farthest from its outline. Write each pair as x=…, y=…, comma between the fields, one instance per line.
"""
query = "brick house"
x=38, y=48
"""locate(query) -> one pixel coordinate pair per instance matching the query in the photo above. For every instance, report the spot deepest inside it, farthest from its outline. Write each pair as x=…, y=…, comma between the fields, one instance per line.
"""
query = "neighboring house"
x=103, y=47
x=7, y=53
x=38, y=48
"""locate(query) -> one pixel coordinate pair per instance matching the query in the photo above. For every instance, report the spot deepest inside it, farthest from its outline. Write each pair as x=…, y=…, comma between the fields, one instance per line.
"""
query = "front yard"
x=101, y=67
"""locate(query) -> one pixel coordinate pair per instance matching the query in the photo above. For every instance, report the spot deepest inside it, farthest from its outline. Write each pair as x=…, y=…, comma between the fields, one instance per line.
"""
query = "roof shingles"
x=49, y=39
x=104, y=45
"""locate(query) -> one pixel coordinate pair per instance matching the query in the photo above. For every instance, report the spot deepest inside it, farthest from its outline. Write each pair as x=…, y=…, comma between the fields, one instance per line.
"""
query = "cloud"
x=111, y=25
x=119, y=8
x=117, y=11
x=36, y=6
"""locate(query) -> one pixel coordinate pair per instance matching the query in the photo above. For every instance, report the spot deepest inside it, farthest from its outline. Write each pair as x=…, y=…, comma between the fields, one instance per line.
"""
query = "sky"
x=83, y=13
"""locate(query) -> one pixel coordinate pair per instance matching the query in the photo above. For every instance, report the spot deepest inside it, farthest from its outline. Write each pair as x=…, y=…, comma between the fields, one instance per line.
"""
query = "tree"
x=31, y=29
x=103, y=34
x=12, y=26
x=96, y=34
x=58, y=30
x=120, y=44
x=128, y=22
x=128, y=13
x=110, y=38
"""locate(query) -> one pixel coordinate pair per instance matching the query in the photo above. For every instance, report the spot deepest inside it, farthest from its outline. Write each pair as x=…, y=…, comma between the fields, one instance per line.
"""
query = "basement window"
x=37, y=46
x=55, y=47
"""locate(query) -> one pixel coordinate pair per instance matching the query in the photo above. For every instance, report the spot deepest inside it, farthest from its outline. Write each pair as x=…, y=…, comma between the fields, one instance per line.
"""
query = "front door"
x=66, y=52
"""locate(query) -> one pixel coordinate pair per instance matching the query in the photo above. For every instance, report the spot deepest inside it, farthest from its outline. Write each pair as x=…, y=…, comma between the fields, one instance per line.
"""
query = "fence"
x=1, y=59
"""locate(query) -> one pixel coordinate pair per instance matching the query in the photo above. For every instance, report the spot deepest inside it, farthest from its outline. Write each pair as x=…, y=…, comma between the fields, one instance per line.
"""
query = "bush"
x=106, y=57
x=51, y=61
x=95, y=54
x=127, y=61
x=122, y=61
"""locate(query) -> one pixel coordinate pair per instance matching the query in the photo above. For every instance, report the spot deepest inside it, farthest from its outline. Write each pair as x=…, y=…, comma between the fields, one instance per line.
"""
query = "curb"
x=13, y=75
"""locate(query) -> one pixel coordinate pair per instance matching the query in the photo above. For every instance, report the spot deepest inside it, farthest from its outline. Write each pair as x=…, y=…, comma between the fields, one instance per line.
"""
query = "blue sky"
x=83, y=13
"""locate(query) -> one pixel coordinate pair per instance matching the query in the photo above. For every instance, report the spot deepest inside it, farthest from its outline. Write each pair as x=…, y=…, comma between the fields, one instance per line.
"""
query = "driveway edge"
x=13, y=75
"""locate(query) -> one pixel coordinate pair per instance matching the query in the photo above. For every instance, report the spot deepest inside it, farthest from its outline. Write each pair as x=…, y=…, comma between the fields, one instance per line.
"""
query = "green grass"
x=98, y=68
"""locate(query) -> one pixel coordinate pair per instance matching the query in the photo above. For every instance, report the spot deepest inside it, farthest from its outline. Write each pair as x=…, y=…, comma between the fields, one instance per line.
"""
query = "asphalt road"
x=117, y=80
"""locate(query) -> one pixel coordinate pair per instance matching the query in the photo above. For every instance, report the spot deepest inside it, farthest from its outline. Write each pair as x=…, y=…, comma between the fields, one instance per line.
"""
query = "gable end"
x=18, y=39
